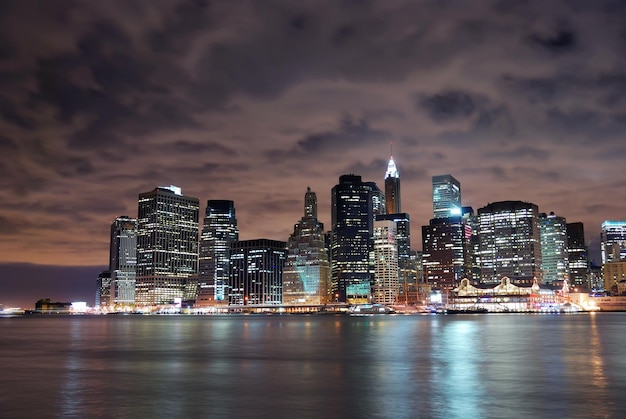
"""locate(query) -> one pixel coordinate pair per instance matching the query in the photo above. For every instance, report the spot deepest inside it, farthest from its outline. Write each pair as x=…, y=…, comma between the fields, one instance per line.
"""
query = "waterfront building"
x=614, y=273
x=509, y=242
x=219, y=231
x=446, y=196
x=256, y=272
x=446, y=245
x=386, y=286
x=103, y=289
x=123, y=261
x=577, y=256
x=392, y=188
x=352, y=214
x=306, y=275
x=554, y=255
x=407, y=271
x=167, y=246
x=613, y=241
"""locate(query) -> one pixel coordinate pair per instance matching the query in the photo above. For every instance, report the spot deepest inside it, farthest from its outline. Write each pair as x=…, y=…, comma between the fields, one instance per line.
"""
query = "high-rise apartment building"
x=578, y=256
x=554, y=255
x=386, y=286
x=167, y=246
x=446, y=246
x=123, y=260
x=352, y=214
x=406, y=264
x=446, y=197
x=392, y=188
x=613, y=241
x=219, y=231
x=306, y=275
x=256, y=272
x=509, y=242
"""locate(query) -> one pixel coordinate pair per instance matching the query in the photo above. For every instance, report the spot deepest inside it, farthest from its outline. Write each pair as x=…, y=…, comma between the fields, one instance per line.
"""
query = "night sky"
x=254, y=101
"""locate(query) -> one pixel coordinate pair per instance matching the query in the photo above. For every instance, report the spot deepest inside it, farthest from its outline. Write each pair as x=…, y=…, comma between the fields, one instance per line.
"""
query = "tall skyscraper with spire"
x=392, y=188
x=219, y=231
x=167, y=246
x=306, y=275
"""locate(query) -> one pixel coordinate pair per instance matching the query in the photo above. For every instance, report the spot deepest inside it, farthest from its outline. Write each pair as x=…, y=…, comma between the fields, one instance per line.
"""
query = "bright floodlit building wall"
x=167, y=245
x=219, y=231
x=306, y=275
x=509, y=242
x=386, y=285
x=446, y=197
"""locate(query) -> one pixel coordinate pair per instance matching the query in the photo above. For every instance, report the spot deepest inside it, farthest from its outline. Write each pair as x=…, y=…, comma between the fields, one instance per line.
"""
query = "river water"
x=324, y=366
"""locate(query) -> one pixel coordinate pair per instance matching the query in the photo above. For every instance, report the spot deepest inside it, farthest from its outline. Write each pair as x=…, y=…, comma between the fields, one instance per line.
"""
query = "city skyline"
x=100, y=102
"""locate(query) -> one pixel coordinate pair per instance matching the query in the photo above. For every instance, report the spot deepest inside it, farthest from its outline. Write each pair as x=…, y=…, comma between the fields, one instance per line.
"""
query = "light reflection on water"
x=464, y=366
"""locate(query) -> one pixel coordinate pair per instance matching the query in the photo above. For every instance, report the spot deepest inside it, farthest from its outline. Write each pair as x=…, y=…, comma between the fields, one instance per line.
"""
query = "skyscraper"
x=446, y=197
x=386, y=285
x=392, y=188
x=554, y=257
x=256, y=272
x=123, y=260
x=306, y=275
x=219, y=231
x=577, y=256
x=613, y=241
x=407, y=271
x=446, y=245
x=509, y=242
x=167, y=246
x=352, y=229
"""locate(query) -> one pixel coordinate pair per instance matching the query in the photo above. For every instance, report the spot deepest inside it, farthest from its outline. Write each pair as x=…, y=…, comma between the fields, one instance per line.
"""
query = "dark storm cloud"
x=187, y=146
x=520, y=152
x=561, y=40
x=447, y=105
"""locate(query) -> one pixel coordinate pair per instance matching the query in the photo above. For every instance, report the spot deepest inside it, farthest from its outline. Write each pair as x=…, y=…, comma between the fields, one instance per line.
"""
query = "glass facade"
x=446, y=252
x=446, y=197
x=613, y=241
x=167, y=246
x=123, y=260
x=577, y=256
x=554, y=255
x=219, y=231
x=256, y=272
x=509, y=242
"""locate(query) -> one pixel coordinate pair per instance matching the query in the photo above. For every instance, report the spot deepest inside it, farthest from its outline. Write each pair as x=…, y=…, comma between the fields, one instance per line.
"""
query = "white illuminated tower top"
x=392, y=187
x=392, y=170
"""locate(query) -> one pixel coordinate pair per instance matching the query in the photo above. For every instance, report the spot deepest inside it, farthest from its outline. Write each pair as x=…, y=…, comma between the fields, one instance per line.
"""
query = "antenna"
x=391, y=147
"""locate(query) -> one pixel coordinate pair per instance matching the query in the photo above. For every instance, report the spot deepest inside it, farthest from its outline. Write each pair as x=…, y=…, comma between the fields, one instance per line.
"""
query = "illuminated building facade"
x=554, y=255
x=406, y=265
x=167, y=246
x=509, y=242
x=392, y=188
x=378, y=199
x=306, y=275
x=446, y=197
x=386, y=287
x=446, y=246
x=103, y=289
x=123, y=260
x=219, y=231
x=577, y=256
x=613, y=241
x=256, y=272
x=352, y=214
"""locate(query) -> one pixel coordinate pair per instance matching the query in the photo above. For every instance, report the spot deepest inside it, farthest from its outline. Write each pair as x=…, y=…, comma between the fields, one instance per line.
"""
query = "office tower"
x=167, y=246
x=352, y=229
x=219, y=231
x=446, y=254
x=554, y=257
x=256, y=272
x=471, y=220
x=509, y=242
x=103, y=289
x=613, y=241
x=446, y=197
x=406, y=266
x=577, y=256
x=306, y=275
x=386, y=286
x=378, y=199
x=123, y=260
x=392, y=188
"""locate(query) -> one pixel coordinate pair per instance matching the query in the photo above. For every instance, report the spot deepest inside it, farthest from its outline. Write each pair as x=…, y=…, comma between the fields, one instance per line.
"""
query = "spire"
x=392, y=170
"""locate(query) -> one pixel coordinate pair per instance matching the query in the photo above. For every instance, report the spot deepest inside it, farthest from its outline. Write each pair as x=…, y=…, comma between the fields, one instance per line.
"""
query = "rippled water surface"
x=461, y=366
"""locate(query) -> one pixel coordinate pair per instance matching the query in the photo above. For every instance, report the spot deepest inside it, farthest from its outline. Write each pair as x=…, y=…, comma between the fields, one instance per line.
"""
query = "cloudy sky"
x=254, y=101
